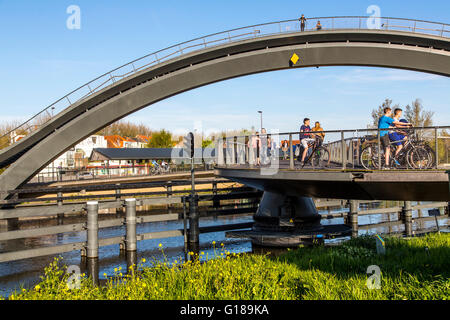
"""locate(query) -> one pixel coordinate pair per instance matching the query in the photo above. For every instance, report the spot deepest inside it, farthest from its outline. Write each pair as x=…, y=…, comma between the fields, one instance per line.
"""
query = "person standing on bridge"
x=386, y=122
x=302, y=22
x=305, y=138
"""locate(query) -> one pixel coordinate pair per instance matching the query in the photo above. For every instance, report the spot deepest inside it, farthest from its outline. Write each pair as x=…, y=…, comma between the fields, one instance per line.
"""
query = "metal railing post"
x=379, y=150
x=407, y=218
x=291, y=153
x=131, y=237
x=436, y=144
x=344, y=164
x=92, y=229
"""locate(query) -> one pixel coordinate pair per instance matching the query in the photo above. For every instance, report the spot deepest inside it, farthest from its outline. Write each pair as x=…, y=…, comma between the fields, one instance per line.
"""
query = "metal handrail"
x=182, y=47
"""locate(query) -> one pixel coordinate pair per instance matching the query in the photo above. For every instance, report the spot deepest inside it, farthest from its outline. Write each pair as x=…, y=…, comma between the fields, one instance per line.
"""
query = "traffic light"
x=188, y=145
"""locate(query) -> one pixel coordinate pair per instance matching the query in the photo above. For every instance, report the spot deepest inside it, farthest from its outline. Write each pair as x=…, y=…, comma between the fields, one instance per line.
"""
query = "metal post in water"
x=407, y=218
x=185, y=222
x=194, y=230
x=353, y=217
x=216, y=202
x=92, y=229
x=169, y=195
x=131, y=237
x=120, y=209
x=60, y=216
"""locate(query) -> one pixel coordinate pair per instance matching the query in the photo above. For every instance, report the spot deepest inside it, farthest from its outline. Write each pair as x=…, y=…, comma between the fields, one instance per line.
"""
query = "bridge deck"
x=424, y=185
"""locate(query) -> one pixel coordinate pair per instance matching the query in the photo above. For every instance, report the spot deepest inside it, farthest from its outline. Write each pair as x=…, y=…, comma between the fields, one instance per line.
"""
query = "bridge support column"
x=407, y=218
x=277, y=211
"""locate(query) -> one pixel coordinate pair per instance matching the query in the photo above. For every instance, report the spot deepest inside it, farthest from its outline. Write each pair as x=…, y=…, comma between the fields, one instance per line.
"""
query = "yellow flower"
x=222, y=244
x=143, y=260
x=37, y=288
x=115, y=269
x=160, y=245
x=213, y=242
x=202, y=253
x=105, y=275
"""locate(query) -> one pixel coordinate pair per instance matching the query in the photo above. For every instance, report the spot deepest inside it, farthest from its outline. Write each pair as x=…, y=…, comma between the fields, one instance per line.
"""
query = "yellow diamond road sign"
x=294, y=58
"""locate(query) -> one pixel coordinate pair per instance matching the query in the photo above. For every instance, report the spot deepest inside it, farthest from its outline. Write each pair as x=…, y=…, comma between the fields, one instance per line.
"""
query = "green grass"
x=416, y=268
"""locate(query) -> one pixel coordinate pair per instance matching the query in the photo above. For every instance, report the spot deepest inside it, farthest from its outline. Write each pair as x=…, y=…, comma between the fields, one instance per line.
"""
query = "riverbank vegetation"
x=416, y=268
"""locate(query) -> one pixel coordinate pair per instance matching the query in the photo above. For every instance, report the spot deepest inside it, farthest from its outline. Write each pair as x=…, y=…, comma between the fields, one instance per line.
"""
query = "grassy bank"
x=415, y=268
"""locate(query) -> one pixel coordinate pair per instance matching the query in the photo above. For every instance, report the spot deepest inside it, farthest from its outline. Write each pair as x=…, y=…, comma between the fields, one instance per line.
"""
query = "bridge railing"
x=422, y=148
x=216, y=39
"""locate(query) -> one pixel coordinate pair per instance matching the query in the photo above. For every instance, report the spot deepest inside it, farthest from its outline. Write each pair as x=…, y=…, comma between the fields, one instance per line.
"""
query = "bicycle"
x=415, y=154
x=318, y=155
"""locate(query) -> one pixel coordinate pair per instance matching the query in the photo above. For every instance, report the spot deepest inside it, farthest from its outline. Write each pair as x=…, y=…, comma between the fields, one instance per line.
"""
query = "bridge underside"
x=358, y=185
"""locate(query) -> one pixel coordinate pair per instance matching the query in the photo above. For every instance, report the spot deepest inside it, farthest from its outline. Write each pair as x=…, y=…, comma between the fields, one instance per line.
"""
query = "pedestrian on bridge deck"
x=302, y=22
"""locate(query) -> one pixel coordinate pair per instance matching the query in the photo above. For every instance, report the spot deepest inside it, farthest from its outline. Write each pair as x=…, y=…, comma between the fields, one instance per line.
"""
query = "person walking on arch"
x=302, y=22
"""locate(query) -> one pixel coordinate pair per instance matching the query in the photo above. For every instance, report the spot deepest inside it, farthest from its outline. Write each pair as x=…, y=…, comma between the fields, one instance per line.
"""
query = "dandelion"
x=143, y=260
x=213, y=242
x=115, y=269
x=160, y=245
x=37, y=288
x=222, y=244
x=105, y=275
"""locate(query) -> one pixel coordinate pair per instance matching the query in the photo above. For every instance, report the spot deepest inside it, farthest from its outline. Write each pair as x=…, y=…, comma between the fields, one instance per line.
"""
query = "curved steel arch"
x=375, y=48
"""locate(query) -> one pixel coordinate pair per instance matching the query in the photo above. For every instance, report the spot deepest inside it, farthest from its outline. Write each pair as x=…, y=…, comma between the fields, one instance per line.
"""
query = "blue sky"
x=41, y=60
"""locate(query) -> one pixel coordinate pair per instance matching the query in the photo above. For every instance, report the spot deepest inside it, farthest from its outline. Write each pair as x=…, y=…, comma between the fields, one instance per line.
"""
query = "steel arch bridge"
x=344, y=41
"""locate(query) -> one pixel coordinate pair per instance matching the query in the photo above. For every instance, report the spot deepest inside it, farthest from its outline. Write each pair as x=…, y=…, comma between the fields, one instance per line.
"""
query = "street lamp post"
x=260, y=112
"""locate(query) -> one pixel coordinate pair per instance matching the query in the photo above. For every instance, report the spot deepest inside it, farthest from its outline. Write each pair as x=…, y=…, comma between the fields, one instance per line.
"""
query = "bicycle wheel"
x=369, y=157
x=420, y=158
x=431, y=153
x=321, y=158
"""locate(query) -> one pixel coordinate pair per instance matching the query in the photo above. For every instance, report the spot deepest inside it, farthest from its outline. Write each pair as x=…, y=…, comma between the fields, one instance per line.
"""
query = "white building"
x=75, y=157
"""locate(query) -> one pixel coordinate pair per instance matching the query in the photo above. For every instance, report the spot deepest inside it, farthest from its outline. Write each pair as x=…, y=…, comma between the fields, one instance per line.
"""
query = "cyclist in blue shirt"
x=398, y=137
x=387, y=122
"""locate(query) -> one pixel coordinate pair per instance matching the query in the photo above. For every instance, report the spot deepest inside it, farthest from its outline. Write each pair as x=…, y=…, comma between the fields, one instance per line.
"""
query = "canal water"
x=26, y=273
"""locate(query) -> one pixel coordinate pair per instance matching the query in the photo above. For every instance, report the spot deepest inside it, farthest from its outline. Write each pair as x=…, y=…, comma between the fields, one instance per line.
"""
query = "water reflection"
x=26, y=273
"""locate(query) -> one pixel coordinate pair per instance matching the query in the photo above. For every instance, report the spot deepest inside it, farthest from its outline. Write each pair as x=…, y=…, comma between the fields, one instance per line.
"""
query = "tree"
x=416, y=114
x=161, y=139
x=126, y=129
x=207, y=144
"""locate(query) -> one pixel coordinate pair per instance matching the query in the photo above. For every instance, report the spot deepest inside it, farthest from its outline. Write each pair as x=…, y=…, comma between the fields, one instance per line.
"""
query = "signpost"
x=381, y=248
x=194, y=231
x=436, y=213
